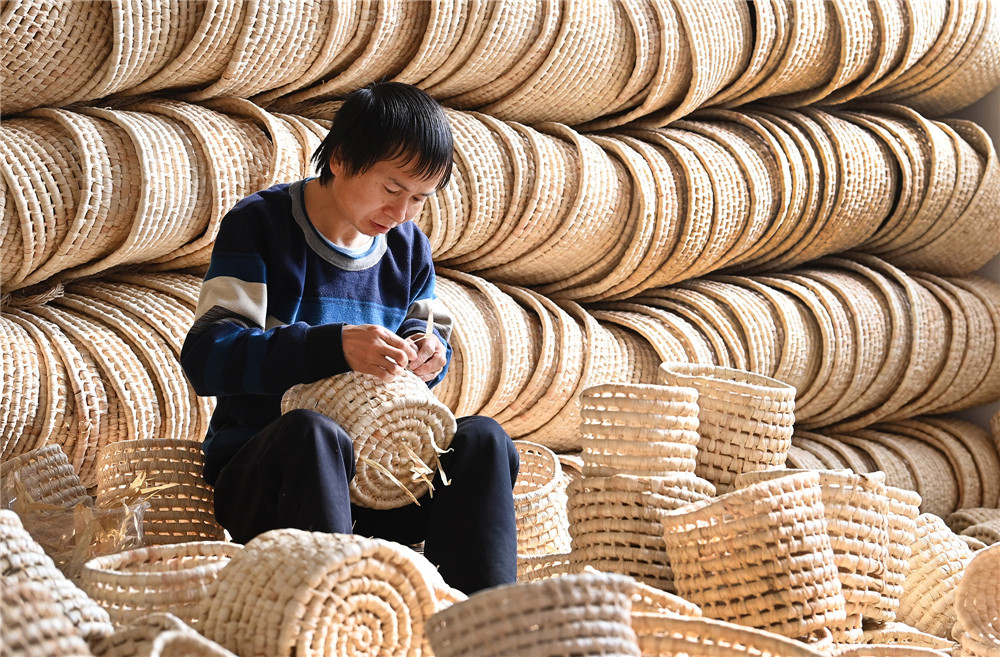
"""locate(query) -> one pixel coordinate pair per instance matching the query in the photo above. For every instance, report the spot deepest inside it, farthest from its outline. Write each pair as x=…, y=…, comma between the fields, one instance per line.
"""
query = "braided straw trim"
x=22, y=560
x=398, y=428
x=34, y=625
x=580, y=614
x=743, y=557
x=290, y=592
x=163, y=578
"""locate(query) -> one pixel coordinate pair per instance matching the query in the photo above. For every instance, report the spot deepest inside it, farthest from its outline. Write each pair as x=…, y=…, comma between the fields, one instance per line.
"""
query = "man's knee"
x=309, y=431
x=483, y=439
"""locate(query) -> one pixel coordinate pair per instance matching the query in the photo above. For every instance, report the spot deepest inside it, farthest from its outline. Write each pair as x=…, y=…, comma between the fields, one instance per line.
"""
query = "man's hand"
x=431, y=356
x=376, y=350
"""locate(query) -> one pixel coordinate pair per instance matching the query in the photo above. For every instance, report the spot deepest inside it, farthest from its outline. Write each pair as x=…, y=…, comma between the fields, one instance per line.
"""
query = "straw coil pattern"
x=398, y=427
x=162, y=578
x=761, y=530
x=581, y=614
x=290, y=592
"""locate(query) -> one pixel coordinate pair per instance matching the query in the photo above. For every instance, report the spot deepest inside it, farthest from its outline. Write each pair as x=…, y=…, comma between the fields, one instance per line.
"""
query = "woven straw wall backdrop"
x=766, y=200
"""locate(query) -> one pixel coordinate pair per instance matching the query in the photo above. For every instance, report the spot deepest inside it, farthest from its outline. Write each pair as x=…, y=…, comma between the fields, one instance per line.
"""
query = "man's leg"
x=294, y=473
x=470, y=532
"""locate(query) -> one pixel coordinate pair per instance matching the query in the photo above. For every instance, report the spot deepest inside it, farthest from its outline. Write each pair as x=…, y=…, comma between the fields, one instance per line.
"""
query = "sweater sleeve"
x=230, y=349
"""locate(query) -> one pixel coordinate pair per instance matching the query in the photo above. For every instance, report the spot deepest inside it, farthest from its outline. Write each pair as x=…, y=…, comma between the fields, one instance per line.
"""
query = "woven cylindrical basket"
x=533, y=567
x=47, y=476
x=183, y=512
x=291, y=592
x=745, y=419
x=162, y=578
x=977, y=604
x=856, y=508
x=937, y=564
x=759, y=556
x=583, y=614
x=616, y=522
x=643, y=430
x=157, y=635
x=34, y=625
x=22, y=560
x=676, y=635
x=398, y=429
x=540, y=502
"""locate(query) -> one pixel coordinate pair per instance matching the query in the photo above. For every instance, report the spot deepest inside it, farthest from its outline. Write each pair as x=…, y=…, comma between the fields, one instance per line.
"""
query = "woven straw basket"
x=977, y=605
x=643, y=430
x=759, y=556
x=583, y=614
x=22, y=560
x=398, y=428
x=672, y=635
x=291, y=592
x=48, y=476
x=185, y=511
x=540, y=502
x=161, y=578
x=34, y=625
x=856, y=509
x=745, y=419
x=903, y=635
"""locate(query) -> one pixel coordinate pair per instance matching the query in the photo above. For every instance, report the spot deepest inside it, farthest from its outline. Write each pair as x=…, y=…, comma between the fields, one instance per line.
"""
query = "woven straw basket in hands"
x=398, y=427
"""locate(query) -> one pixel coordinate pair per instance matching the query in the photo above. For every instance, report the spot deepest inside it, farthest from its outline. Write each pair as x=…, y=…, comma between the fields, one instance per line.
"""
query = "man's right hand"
x=376, y=350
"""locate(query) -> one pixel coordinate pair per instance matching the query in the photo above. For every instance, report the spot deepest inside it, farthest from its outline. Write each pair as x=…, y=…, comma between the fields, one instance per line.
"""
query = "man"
x=327, y=275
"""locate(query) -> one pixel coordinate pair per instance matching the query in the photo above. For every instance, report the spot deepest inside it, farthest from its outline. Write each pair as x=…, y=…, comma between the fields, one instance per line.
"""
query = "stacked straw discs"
x=540, y=502
x=183, y=510
x=290, y=592
x=581, y=614
x=759, y=556
x=23, y=562
x=162, y=578
x=977, y=597
x=745, y=419
x=398, y=428
x=856, y=508
x=602, y=64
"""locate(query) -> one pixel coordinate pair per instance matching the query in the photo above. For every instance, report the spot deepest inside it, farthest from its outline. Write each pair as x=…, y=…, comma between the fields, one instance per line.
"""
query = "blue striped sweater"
x=273, y=303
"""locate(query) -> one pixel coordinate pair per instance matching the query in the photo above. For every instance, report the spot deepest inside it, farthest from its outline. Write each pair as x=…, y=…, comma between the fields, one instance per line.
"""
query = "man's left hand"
x=431, y=356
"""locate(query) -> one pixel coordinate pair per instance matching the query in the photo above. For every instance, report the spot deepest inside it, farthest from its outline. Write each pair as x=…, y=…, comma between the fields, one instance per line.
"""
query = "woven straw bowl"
x=398, y=428
x=162, y=578
x=745, y=419
x=759, y=556
x=581, y=614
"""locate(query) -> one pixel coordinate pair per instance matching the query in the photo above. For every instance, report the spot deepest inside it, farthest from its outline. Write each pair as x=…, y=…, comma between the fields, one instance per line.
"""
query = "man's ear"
x=336, y=166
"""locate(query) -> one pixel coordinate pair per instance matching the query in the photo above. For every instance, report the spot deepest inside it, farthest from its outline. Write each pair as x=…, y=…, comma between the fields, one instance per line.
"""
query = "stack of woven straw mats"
x=713, y=267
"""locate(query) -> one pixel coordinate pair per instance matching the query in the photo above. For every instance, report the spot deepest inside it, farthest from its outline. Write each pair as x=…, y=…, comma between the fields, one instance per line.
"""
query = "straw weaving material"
x=736, y=558
x=399, y=425
x=290, y=592
x=163, y=578
x=24, y=562
x=580, y=614
x=157, y=635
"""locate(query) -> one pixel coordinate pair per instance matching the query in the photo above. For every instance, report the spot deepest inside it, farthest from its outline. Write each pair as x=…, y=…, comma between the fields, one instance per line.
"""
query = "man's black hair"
x=385, y=121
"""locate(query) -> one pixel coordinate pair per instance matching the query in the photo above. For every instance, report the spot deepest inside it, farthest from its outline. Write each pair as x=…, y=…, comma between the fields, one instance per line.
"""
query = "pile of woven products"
x=725, y=271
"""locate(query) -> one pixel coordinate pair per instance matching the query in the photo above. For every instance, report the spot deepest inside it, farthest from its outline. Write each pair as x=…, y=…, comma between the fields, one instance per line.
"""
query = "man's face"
x=381, y=198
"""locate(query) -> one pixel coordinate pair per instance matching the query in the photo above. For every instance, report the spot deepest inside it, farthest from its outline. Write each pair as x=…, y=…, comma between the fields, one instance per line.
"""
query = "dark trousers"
x=295, y=473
